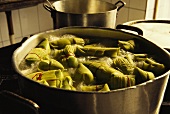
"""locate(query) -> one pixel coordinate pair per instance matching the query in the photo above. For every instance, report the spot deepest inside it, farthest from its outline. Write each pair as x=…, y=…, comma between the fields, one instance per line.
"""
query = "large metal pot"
x=84, y=13
x=145, y=98
x=156, y=31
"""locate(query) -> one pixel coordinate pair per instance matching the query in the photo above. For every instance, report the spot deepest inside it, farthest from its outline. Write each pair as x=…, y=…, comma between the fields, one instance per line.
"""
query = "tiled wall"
x=134, y=10
x=26, y=21
x=36, y=19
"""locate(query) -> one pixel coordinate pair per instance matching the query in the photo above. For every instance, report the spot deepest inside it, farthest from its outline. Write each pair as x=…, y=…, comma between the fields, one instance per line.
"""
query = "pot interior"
x=83, y=6
x=116, y=101
x=103, y=35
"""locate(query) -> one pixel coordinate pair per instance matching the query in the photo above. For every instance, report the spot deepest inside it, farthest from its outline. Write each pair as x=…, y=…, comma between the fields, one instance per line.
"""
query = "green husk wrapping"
x=127, y=45
x=100, y=88
x=83, y=74
x=97, y=51
x=60, y=77
x=35, y=55
x=45, y=45
x=142, y=75
x=105, y=88
x=44, y=82
x=62, y=42
x=52, y=77
x=152, y=66
x=122, y=81
x=68, y=58
x=126, y=66
x=68, y=83
x=68, y=63
x=91, y=87
x=50, y=64
x=101, y=71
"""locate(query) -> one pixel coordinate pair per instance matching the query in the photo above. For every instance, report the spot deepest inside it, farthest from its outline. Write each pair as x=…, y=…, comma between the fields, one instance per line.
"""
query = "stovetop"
x=9, y=80
x=8, y=77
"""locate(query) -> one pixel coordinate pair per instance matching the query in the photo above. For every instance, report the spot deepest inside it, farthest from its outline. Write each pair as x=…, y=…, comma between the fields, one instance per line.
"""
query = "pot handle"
x=14, y=103
x=132, y=28
x=122, y=4
x=48, y=8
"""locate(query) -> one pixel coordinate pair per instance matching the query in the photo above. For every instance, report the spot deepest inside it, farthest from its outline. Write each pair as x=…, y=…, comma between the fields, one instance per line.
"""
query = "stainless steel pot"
x=84, y=13
x=145, y=98
x=157, y=31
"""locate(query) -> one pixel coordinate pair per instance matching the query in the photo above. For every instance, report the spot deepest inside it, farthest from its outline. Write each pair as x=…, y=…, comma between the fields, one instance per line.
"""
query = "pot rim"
x=112, y=6
x=146, y=21
x=163, y=25
x=88, y=92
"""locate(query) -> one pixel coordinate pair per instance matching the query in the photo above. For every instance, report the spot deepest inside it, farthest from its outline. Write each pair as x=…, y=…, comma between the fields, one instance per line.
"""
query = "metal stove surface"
x=9, y=82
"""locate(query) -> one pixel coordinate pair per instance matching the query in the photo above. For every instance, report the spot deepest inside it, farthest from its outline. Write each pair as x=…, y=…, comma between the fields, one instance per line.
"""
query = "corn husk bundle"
x=44, y=44
x=97, y=51
x=151, y=65
x=122, y=81
x=39, y=53
x=69, y=50
x=50, y=64
x=100, y=88
x=68, y=83
x=54, y=78
x=36, y=55
x=68, y=59
x=105, y=88
x=127, y=45
x=66, y=56
x=44, y=82
x=66, y=40
x=72, y=65
x=102, y=71
x=83, y=74
x=142, y=75
x=124, y=65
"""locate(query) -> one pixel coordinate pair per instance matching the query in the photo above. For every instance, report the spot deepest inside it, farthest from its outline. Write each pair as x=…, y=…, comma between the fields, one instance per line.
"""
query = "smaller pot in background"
x=157, y=31
x=84, y=13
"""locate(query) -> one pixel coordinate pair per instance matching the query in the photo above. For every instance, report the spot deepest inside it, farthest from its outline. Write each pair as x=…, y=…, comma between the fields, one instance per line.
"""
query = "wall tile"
x=0, y=28
x=6, y=43
x=122, y=16
x=29, y=20
x=3, y=27
x=17, y=40
x=138, y=4
x=16, y=24
x=110, y=1
x=114, y=1
x=44, y=18
x=36, y=19
x=136, y=14
x=1, y=45
x=127, y=2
